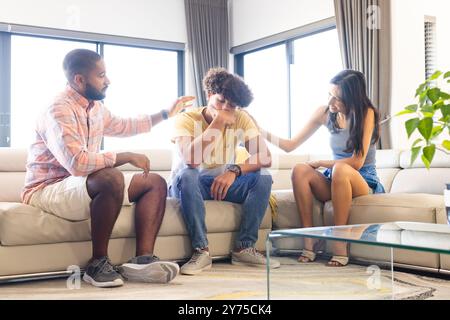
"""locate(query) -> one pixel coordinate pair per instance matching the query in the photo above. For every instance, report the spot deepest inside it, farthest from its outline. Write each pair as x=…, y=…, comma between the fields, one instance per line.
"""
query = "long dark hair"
x=352, y=85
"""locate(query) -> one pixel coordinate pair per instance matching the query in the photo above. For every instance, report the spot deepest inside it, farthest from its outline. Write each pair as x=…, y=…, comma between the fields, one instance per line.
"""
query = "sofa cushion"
x=389, y=207
x=11, y=185
x=287, y=214
x=13, y=159
x=21, y=224
x=440, y=160
x=387, y=177
x=421, y=181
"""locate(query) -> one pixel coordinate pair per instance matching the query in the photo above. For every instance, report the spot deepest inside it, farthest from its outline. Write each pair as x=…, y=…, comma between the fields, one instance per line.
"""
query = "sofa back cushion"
x=392, y=166
x=417, y=179
x=421, y=181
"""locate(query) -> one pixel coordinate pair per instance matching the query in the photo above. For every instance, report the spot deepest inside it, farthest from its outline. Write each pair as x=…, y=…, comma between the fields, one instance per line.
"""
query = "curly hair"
x=232, y=87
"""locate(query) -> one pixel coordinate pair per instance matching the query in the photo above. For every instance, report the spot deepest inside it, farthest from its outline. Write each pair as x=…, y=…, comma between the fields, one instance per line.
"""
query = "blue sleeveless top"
x=338, y=143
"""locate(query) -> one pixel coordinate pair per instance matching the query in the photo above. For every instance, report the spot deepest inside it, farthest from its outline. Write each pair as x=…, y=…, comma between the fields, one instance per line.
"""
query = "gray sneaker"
x=101, y=273
x=251, y=257
x=199, y=261
x=149, y=268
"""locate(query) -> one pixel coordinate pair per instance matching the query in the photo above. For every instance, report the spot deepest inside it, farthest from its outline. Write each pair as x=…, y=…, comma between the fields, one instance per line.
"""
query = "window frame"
x=287, y=39
x=100, y=40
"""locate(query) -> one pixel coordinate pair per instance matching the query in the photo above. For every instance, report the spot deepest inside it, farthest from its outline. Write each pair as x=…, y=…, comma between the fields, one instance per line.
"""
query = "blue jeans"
x=252, y=190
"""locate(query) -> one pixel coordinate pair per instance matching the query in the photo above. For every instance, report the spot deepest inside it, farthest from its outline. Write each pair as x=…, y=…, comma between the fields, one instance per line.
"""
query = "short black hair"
x=79, y=61
x=232, y=87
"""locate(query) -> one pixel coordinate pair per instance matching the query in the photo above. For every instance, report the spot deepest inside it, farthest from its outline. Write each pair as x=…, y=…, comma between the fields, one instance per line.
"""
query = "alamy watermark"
x=374, y=17
x=374, y=280
x=73, y=282
x=73, y=20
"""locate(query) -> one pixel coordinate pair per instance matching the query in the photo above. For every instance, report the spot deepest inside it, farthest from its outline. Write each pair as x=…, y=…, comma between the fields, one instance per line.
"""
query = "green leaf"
x=438, y=104
x=426, y=127
x=411, y=125
x=445, y=95
x=412, y=107
x=434, y=94
x=428, y=109
x=426, y=162
x=421, y=88
x=423, y=97
x=404, y=112
x=446, y=144
x=428, y=153
x=445, y=110
x=417, y=142
x=436, y=131
x=435, y=75
x=415, y=153
x=447, y=75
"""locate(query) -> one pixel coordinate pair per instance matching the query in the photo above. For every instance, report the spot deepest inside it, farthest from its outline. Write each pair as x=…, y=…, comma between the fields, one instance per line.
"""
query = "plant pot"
x=447, y=202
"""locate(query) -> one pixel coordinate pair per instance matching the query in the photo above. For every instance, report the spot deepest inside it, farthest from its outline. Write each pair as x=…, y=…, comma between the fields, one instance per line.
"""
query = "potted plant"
x=431, y=118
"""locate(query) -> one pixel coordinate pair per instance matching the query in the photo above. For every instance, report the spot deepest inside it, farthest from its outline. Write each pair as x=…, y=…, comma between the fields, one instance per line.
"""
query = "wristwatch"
x=165, y=114
x=235, y=169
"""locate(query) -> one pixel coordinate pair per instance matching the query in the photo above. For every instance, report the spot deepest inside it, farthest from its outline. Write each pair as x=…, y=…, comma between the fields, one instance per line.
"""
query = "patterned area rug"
x=292, y=281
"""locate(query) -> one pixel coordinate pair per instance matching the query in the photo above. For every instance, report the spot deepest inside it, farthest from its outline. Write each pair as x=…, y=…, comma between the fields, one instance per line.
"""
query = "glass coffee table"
x=402, y=235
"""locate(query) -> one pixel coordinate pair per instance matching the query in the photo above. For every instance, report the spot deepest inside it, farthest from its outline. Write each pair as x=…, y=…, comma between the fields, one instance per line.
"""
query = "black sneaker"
x=149, y=268
x=101, y=273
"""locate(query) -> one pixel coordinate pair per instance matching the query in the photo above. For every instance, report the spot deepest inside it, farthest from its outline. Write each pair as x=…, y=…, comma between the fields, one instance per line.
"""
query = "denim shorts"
x=369, y=174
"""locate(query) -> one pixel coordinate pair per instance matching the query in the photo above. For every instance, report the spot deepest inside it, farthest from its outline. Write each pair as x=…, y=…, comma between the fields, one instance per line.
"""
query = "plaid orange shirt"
x=68, y=138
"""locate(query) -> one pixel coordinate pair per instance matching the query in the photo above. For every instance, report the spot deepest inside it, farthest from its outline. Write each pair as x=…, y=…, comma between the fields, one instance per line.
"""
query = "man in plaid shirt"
x=68, y=176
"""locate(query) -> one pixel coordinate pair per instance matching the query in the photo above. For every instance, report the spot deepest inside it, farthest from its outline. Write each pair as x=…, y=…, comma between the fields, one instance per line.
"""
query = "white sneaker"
x=199, y=261
x=149, y=269
x=253, y=258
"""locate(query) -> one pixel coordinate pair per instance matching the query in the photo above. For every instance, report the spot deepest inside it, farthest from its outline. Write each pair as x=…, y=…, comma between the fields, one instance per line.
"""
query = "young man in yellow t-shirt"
x=206, y=139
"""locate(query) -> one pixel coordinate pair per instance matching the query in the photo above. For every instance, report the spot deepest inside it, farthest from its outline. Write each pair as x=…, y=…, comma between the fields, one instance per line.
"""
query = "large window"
x=317, y=59
x=143, y=81
x=290, y=81
x=36, y=78
x=266, y=74
x=146, y=76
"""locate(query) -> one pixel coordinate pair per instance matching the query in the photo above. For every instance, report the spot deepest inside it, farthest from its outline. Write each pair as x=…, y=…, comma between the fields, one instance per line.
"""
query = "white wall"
x=256, y=19
x=408, y=53
x=148, y=19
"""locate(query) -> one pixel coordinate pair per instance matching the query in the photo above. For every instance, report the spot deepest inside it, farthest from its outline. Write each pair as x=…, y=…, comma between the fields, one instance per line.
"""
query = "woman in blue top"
x=353, y=123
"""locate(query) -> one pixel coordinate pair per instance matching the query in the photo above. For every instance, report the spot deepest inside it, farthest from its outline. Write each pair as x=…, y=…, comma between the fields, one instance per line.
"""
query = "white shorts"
x=69, y=198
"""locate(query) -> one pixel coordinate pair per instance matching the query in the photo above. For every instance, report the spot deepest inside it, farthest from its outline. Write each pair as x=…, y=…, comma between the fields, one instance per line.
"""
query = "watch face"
x=235, y=169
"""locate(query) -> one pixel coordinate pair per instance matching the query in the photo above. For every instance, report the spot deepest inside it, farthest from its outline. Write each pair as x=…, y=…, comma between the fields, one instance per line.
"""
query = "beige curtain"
x=208, y=39
x=364, y=30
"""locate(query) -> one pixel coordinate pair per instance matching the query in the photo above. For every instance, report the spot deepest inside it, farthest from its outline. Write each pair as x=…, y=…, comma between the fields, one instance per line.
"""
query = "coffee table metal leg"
x=392, y=273
x=268, y=246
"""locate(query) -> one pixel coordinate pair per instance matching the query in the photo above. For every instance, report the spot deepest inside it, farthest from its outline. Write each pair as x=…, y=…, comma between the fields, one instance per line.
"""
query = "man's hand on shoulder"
x=180, y=104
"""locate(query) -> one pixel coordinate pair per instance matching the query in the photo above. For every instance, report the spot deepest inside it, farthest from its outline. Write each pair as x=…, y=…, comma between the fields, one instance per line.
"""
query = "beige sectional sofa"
x=35, y=244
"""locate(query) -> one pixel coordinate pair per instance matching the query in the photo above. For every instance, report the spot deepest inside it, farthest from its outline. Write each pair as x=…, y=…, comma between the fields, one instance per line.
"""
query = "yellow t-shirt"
x=191, y=123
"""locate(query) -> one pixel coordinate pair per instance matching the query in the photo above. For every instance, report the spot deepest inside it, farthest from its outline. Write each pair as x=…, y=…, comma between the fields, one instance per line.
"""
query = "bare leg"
x=105, y=187
x=307, y=184
x=149, y=193
x=346, y=184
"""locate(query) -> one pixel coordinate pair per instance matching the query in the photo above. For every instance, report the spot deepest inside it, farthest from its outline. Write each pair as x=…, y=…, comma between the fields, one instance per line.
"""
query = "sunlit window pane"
x=317, y=59
x=36, y=78
x=265, y=72
x=143, y=81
